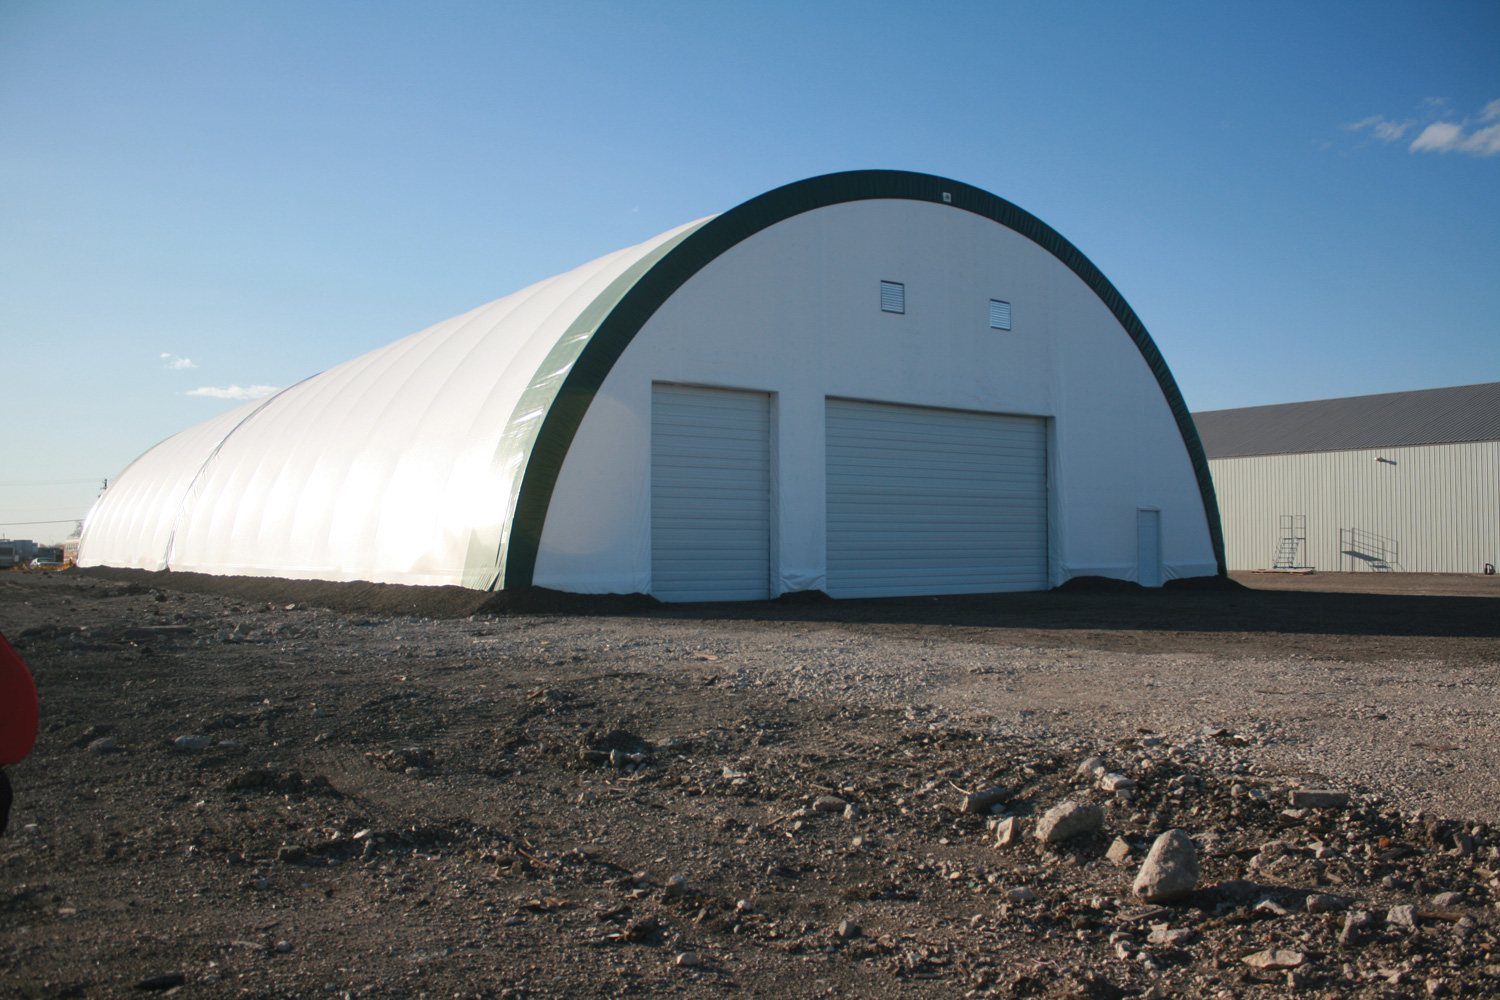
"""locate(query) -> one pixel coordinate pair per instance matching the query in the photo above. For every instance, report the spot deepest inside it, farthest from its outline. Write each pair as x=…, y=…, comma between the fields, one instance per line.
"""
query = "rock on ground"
x=1170, y=870
x=1067, y=820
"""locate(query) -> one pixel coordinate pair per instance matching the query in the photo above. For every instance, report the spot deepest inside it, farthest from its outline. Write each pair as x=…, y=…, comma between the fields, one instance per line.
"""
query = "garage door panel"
x=690, y=504
x=1019, y=536
x=710, y=494
x=927, y=501
x=922, y=555
x=920, y=580
x=960, y=503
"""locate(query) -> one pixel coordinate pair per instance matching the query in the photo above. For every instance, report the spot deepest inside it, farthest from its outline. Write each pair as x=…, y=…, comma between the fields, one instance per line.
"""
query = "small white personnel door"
x=710, y=494
x=1148, y=547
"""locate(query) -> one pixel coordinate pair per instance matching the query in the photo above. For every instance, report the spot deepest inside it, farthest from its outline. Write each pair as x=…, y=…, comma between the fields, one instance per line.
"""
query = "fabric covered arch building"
x=867, y=383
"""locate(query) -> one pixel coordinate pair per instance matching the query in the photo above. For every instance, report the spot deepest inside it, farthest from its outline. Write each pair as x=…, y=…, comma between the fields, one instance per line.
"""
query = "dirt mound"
x=1099, y=585
x=542, y=601
x=356, y=597
x=1222, y=584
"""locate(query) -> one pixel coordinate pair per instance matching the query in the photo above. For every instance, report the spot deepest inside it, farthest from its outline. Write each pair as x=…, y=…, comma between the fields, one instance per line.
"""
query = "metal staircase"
x=1291, y=542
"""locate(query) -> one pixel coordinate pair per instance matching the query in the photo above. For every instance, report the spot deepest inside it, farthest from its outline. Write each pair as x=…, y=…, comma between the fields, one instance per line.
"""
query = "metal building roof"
x=1388, y=419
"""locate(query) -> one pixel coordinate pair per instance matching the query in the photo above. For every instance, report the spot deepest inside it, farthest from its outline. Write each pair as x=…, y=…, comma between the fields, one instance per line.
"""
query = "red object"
x=18, y=707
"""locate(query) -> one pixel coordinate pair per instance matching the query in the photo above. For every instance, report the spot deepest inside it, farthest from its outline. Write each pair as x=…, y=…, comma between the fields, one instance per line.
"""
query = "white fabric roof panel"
x=378, y=469
x=132, y=524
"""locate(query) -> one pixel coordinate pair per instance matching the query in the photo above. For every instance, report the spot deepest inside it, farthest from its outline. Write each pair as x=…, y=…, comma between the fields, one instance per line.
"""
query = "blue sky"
x=1300, y=200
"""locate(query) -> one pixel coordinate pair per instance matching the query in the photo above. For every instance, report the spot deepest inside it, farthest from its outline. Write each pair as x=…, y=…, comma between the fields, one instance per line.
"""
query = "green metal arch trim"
x=723, y=232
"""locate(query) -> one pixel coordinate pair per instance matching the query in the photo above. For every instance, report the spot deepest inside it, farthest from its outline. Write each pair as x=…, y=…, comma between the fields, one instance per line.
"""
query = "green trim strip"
x=599, y=352
x=489, y=546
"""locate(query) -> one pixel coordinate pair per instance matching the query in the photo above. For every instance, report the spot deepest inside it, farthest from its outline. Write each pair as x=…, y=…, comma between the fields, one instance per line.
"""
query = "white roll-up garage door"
x=934, y=501
x=710, y=494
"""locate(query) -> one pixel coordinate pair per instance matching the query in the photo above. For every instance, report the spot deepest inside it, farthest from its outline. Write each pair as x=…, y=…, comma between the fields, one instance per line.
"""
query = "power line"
x=56, y=482
x=17, y=524
x=65, y=512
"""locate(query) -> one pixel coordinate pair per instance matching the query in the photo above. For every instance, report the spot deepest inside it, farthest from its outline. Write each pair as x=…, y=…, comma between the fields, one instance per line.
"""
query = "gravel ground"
x=264, y=788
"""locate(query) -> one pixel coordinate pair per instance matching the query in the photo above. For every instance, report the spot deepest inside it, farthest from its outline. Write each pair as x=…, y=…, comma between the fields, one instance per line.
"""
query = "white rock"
x=983, y=801
x=1170, y=870
x=1091, y=768
x=192, y=742
x=1163, y=935
x=1068, y=819
x=1275, y=958
x=1402, y=916
x=1269, y=905
x=1356, y=921
x=1007, y=831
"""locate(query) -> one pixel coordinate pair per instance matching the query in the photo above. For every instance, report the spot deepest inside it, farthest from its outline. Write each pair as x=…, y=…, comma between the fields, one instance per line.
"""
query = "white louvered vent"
x=999, y=315
x=892, y=297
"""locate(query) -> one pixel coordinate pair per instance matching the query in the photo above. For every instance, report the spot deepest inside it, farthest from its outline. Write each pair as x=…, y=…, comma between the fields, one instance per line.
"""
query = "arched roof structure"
x=434, y=460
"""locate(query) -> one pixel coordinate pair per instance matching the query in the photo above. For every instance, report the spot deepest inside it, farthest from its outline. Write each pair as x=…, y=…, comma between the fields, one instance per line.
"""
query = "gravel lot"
x=270, y=788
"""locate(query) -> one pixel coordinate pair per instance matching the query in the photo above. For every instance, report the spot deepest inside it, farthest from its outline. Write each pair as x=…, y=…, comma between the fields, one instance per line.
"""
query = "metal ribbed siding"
x=710, y=494
x=934, y=501
x=1441, y=503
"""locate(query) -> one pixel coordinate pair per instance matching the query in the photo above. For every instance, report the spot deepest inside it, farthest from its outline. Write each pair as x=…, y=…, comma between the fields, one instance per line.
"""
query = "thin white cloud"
x=1442, y=134
x=1381, y=127
x=1452, y=137
x=1484, y=142
x=234, y=391
x=1438, y=137
x=176, y=364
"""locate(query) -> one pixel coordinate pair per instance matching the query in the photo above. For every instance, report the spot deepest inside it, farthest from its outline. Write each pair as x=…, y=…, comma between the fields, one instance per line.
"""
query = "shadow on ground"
x=1226, y=617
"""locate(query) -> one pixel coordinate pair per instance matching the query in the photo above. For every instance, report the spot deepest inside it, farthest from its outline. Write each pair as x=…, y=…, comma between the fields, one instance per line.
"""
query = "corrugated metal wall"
x=1434, y=508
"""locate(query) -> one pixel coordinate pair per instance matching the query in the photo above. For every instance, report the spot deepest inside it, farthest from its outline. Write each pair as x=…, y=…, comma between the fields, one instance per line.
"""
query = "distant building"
x=16, y=552
x=1395, y=482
